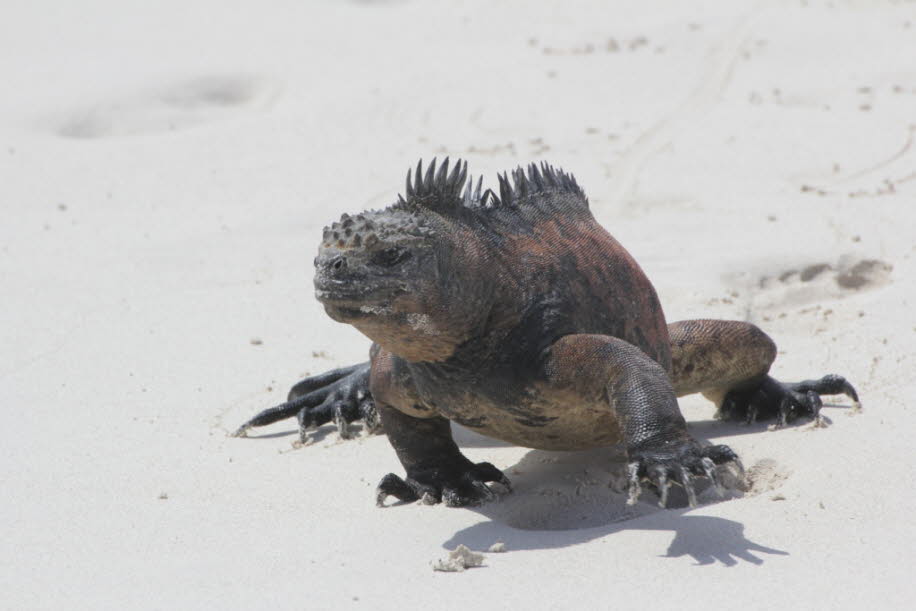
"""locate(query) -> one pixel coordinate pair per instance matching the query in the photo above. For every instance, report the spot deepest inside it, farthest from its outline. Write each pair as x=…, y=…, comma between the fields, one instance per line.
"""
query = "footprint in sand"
x=815, y=282
x=174, y=107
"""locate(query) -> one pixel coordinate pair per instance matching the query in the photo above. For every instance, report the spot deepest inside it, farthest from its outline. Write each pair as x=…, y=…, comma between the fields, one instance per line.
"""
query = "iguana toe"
x=461, y=486
x=341, y=396
x=680, y=462
x=785, y=401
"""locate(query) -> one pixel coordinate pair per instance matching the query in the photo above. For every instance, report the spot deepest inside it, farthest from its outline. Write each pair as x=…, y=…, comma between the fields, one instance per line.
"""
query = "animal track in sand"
x=717, y=71
x=883, y=177
x=815, y=282
x=766, y=476
x=170, y=108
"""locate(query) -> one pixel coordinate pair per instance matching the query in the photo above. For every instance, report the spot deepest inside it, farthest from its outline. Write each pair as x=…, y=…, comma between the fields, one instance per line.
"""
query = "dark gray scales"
x=517, y=315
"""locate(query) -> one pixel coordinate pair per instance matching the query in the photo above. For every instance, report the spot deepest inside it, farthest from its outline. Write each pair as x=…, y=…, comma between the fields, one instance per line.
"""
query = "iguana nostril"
x=338, y=264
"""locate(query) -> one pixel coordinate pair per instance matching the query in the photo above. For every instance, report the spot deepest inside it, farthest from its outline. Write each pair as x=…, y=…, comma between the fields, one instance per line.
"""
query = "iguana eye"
x=391, y=256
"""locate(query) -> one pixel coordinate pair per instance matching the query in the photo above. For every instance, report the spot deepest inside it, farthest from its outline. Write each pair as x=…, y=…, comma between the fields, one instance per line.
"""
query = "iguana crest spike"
x=449, y=192
x=517, y=315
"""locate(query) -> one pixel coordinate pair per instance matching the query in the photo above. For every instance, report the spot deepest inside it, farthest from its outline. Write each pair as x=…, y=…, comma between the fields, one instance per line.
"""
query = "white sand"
x=166, y=168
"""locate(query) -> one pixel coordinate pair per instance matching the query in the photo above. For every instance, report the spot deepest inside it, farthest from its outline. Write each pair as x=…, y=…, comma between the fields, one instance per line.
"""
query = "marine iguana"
x=518, y=316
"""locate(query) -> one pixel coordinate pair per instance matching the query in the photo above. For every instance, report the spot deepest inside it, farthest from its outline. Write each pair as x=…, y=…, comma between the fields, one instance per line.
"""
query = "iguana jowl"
x=518, y=316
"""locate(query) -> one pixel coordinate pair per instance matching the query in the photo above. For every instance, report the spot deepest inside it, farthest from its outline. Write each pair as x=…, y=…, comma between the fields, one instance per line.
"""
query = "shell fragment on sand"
x=459, y=559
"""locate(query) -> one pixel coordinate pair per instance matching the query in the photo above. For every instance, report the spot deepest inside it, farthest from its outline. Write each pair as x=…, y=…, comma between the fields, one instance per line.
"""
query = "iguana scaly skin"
x=518, y=316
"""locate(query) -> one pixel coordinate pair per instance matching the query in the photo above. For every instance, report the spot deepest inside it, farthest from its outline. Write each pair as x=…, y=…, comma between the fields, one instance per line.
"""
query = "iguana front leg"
x=436, y=468
x=639, y=391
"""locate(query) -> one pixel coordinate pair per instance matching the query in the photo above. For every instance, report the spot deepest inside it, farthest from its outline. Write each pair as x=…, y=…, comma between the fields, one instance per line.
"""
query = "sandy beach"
x=165, y=172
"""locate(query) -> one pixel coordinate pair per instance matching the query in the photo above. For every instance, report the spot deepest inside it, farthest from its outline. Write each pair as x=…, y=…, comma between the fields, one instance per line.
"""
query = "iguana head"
x=404, y=276
x=430, y=272
x=367, y=261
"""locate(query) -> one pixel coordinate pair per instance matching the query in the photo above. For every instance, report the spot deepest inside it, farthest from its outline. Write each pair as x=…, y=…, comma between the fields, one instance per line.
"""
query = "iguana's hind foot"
x=341, y=395
x=677, y=461
x=457, y=485
x=785, y=401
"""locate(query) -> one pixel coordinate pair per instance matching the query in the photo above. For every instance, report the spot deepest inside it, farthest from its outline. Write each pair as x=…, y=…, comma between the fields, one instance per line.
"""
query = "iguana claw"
x=785, y=401
x=679, y=462
x=341, y=395
x=453, y=485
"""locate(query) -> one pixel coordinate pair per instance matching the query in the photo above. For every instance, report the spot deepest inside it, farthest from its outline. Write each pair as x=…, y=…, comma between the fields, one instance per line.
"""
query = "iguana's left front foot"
x=457, y=484
x=785, y=401
x=662, y=462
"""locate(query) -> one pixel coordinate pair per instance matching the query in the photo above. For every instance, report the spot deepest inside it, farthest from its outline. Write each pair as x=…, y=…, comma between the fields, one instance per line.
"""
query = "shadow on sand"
x=706, y=539
x=566, y=498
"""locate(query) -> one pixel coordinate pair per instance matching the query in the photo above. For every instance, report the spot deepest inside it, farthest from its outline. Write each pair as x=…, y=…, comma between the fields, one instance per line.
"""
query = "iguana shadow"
x=565, y=498
x=706, y=539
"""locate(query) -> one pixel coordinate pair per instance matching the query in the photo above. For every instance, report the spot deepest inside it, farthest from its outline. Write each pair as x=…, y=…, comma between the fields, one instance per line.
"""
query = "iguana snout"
x=366, y=261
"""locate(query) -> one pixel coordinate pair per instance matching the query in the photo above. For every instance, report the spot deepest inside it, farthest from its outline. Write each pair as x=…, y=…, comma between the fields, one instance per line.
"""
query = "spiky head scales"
x=454, y=193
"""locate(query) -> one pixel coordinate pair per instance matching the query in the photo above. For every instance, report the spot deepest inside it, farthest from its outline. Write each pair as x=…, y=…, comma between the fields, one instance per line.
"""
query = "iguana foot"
x=676, y=461
x=341, y=395
x=457, y=485
x=784, y=401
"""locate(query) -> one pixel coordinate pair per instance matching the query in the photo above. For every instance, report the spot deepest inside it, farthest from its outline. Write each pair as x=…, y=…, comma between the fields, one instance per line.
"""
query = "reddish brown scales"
x=519, y=316
x=610, y=293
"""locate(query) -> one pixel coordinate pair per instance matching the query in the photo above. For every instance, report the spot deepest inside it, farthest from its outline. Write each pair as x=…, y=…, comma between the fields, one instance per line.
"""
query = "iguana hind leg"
x=341, y=395
x=784, y=401
x=728, y=361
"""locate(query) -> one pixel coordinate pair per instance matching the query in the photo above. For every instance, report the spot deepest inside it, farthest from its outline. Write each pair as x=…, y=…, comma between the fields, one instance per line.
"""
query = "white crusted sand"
x=165, y=171
x=458, y=560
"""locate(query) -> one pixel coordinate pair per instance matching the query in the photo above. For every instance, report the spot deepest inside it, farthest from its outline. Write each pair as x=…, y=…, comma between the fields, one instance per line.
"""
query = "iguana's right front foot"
x=663, y=462
x=458, y=484
x=341, y=395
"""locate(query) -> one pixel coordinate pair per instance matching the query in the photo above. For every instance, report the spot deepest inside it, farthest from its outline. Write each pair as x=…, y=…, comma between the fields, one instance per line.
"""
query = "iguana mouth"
x=354, y=295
